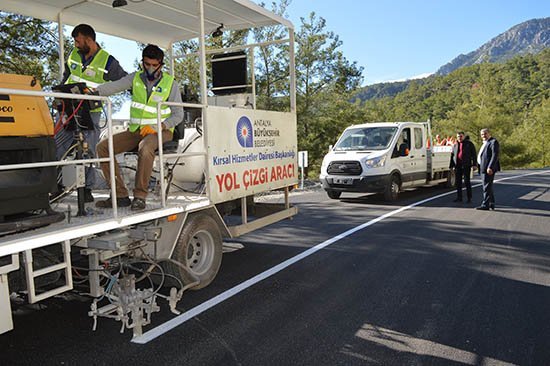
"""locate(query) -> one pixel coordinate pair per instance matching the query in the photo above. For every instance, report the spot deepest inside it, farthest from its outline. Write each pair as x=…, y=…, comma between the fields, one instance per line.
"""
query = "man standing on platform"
x=88, y=63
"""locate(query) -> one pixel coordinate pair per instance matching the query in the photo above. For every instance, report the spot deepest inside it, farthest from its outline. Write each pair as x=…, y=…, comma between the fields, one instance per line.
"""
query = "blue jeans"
x=64, y=139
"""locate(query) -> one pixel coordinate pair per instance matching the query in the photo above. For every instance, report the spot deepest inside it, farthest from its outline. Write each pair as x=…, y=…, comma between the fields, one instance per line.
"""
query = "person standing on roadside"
x=462, y=161
x=488, y=160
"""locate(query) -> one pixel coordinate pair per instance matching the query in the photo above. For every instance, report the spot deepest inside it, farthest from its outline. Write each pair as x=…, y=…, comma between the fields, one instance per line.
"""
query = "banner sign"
x=250, y=151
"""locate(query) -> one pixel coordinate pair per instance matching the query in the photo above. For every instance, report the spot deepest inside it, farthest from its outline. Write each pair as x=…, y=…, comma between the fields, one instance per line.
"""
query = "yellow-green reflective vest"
x=92, y=74
x=143, y=111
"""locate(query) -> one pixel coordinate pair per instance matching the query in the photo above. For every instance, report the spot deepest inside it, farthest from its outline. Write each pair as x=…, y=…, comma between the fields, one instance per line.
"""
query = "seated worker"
x=149, y=86
x=91, y=64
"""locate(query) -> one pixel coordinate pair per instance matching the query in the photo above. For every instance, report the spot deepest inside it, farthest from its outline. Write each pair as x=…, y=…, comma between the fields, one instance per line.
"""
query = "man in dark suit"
x=462, y=160
x=489, y=164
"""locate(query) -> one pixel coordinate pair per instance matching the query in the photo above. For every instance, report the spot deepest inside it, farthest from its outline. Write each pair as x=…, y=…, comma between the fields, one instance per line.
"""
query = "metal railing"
x=176, y=155
x=111, y=158
x=109, y=105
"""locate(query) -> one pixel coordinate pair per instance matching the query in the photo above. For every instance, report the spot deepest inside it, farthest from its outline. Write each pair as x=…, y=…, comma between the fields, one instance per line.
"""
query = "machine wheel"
x=451, y=179
x=199, y=249
x=392, y=189
x=334, y=194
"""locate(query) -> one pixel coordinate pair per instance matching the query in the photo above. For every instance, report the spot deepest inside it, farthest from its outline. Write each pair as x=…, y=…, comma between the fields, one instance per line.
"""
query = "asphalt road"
x=438, y=283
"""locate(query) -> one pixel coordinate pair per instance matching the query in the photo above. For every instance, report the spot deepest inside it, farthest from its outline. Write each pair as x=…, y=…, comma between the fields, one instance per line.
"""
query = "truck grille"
x=345, y=168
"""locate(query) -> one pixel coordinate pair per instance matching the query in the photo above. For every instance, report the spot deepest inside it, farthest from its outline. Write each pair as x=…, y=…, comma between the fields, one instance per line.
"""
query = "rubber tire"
x=205, y=228
x=451, y=179
x=334, y=194
x=391, y=193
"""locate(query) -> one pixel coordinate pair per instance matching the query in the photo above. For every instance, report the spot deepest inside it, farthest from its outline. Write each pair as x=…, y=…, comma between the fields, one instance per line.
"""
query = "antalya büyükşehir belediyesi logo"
x=244, y=132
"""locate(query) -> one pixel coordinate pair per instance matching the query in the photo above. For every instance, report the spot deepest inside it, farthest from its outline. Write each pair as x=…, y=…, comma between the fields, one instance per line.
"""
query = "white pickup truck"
x=385, y=158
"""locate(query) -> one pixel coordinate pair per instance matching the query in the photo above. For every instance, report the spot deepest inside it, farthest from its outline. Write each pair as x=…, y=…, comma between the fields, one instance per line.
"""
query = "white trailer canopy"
x=162, y=22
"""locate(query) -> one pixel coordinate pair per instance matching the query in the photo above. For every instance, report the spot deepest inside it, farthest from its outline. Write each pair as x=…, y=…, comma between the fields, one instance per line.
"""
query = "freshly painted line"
x=180, y=319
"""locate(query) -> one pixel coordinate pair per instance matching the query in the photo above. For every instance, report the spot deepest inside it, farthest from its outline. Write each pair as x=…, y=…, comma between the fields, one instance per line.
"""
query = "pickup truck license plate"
x=345, y=181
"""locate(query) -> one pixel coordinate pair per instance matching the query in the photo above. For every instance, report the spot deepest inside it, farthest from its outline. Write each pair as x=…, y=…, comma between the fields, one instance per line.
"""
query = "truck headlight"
x=376, y=162
x=324, y=166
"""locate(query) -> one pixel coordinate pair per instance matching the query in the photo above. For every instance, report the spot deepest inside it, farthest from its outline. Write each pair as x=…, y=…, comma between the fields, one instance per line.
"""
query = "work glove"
x=147, y=130
x=90, y=91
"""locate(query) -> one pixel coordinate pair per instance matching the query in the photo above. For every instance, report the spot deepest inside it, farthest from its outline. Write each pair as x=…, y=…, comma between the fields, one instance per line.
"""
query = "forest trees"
x=325, y=81
x=29, y=46
x=512, y=99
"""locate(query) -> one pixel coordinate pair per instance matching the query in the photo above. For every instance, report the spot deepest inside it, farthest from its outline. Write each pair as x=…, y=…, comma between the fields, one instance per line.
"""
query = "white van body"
x=385, y=157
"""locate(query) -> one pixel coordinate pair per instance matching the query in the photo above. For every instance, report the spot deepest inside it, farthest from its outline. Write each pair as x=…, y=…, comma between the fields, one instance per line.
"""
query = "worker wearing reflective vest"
x=149, y=87
x=88, y=63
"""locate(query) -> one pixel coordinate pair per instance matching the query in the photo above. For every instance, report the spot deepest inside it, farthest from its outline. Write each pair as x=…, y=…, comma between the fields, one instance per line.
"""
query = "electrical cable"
x=66, y=122
x=59, y=122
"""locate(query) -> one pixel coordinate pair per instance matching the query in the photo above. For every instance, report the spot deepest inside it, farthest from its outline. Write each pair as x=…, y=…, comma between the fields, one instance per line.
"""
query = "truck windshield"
x=365, y=138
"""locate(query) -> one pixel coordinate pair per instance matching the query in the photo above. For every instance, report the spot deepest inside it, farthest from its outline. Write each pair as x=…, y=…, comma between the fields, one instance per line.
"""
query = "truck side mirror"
x=329, y=148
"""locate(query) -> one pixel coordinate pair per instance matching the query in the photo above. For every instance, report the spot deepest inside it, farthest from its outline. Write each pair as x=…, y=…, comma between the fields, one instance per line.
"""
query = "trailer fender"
x=171, y=231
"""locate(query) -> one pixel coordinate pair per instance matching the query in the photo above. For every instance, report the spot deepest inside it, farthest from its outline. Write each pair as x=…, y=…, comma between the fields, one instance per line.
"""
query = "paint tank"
x=190, y=169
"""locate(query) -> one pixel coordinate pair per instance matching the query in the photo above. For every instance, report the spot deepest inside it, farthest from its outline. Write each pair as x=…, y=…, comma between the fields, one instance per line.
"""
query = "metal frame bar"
x=6, y=321
x=18, y=245
x=204, y=89
x=244, y=212
x=292, y=70
x=230, y=87
x=93, y=277
x=161, y=155
x=31, y=274
x=235, y=48
x=239, y=230
x=61, y=46
x=228, y=58
x=143, y=16
x=292, y=64
x=109, y=105
x=253, y=76
x=52, y=163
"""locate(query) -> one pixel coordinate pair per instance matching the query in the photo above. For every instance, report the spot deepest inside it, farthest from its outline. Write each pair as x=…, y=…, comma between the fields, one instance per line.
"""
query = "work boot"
x=138, y=204
x=88, y=197
x=108, y=203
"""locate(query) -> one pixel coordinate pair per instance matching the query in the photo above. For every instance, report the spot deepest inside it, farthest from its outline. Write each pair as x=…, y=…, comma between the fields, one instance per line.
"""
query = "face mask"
x=150, y=72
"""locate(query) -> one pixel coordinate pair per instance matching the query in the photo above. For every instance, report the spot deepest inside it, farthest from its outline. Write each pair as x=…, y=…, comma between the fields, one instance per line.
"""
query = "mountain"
x=381, y=90
x=529, y=37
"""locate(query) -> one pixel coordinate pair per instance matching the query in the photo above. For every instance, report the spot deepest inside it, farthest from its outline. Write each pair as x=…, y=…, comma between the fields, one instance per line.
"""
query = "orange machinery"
x=26, y=136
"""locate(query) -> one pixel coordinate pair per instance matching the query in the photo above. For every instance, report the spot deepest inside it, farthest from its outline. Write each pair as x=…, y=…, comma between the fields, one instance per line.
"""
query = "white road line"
x=180, y=319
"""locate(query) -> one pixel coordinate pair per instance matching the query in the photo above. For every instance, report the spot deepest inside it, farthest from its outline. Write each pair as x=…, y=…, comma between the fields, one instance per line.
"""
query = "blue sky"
x=399, y=39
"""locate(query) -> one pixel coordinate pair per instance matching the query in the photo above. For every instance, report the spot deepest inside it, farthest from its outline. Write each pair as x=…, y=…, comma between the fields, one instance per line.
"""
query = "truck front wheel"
x=199, y=249
x=334, y=194
x=392, y=189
